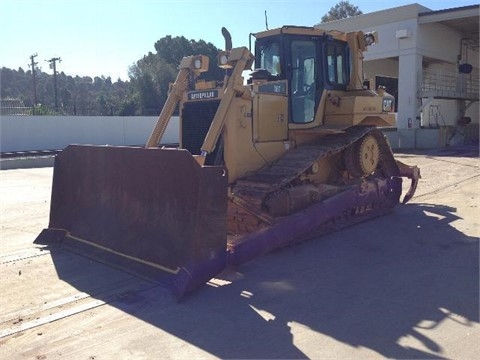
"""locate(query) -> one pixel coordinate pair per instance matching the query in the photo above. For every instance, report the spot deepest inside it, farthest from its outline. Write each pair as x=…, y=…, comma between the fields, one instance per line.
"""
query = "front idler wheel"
x=363, y=157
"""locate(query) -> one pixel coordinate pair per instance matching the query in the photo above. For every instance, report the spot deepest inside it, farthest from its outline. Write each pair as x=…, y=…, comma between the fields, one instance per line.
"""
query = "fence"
x=445, y=83
x=27, y=133
x=73, y=111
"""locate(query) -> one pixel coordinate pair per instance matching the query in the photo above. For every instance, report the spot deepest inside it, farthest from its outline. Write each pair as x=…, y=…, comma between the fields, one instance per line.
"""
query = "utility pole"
x=53, y=65
x=34, y=71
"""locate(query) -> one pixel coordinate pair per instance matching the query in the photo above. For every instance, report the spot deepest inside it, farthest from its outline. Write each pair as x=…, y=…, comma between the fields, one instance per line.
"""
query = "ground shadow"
x=366, y=286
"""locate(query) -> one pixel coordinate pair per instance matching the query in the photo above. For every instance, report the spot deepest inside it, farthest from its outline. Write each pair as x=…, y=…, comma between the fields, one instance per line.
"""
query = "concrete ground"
x=403, y=286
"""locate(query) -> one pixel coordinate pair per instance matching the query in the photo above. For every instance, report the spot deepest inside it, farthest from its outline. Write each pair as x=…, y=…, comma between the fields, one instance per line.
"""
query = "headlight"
x=223, y=60
x=197, y=64
x=371, y=38
x=387, y=105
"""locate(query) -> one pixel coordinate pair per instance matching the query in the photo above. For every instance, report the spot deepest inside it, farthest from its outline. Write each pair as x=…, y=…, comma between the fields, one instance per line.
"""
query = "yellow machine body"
x=292, y=152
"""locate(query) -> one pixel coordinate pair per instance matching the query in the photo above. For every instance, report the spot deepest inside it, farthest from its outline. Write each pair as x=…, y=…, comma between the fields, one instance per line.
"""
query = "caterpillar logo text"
x=203, y=95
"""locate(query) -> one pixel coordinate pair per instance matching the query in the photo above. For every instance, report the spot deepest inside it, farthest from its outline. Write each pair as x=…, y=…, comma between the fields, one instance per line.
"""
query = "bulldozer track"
x=295, y=162
x=248, y=194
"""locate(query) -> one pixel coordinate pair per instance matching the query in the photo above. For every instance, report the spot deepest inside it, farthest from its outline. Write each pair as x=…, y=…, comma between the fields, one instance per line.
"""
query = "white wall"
x=375, y=19
x=389, y=46
x=25, y=133
x=387, y=67
x=439, y=42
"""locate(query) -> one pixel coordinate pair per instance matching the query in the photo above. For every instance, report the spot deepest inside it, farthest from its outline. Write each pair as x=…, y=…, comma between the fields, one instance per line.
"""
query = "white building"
x=421, y=58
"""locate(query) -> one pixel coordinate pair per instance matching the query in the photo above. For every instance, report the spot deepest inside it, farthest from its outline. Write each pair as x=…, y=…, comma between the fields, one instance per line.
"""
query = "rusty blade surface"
x=156, y=207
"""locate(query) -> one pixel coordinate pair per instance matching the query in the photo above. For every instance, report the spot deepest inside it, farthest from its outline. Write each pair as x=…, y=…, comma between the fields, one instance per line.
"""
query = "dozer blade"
x=156, y=212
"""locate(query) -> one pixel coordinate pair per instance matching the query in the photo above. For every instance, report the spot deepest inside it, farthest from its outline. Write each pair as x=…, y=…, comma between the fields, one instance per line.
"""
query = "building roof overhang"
x=462, y=19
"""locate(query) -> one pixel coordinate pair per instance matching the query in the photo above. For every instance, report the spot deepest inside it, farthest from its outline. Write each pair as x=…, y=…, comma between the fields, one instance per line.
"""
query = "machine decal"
x=279, y=88
x=203, y=95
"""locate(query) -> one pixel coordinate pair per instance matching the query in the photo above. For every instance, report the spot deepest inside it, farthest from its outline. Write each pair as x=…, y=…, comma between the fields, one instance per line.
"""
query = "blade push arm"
x=196, y=64
x=240, y=59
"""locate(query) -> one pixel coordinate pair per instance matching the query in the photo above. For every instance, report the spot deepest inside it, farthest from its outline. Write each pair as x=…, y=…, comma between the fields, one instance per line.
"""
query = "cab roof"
x=300, y=30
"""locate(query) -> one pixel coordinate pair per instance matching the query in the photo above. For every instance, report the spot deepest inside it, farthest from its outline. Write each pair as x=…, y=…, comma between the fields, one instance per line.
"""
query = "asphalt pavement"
x=405, y=286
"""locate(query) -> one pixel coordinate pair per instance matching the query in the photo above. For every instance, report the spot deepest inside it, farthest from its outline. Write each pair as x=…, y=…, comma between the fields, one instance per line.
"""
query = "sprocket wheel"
x=362, y=157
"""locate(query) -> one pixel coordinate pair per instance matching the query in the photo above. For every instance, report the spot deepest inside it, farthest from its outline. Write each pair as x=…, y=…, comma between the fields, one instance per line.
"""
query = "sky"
x=105, y=37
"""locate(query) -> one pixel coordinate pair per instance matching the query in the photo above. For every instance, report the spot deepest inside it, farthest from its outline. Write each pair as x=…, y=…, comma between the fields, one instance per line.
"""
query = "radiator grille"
x=196, y=119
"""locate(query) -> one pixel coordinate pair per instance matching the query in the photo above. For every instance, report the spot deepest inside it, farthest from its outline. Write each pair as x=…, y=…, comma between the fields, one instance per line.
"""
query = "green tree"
x=149, y=79
x=173, y=49
x=76, y=95
x=150, y=76
x=341, y=10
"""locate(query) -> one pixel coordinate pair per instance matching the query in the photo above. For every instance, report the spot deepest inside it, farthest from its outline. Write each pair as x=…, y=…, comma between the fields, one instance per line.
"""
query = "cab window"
x=337, y=64
x=270, y=58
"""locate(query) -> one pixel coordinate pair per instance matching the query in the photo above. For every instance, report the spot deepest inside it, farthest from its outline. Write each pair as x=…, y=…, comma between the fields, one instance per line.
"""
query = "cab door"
x=270, y=105
x=271, y=109
x=304, y=84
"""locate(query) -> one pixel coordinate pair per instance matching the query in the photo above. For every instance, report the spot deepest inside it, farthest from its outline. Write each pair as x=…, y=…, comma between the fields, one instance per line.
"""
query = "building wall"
x=375, y=19
x=389, y=46
x=27, y=133
x=437, y=41
x=386, y=67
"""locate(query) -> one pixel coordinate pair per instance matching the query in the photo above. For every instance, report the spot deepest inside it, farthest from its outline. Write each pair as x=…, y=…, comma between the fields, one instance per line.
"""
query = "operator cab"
x=309, y=59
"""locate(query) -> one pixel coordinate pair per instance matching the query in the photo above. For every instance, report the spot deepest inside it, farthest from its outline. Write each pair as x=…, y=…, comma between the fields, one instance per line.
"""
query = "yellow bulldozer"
x=291, y=153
